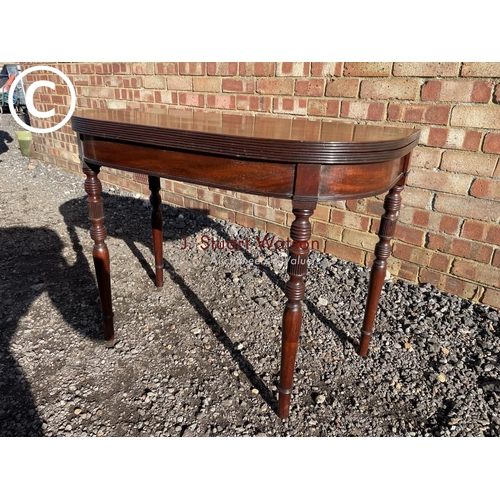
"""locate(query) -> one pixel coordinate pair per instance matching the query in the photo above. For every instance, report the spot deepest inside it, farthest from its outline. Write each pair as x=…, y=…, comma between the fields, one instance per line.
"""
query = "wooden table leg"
x=392, y=205
x=300, y=233
x=100, y=251
x=157, y=227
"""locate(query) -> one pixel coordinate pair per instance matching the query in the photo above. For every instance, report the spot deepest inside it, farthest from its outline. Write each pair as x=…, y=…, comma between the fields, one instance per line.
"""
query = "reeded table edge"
x=255, y=148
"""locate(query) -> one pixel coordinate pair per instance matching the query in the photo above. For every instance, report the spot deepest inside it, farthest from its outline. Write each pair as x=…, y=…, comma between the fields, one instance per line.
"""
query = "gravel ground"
x=200, y=357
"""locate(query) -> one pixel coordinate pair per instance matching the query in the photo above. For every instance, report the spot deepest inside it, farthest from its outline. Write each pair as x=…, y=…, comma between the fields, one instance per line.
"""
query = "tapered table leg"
x=157, y=227
x=392, y=205
x=300, y=233
x=100, y=251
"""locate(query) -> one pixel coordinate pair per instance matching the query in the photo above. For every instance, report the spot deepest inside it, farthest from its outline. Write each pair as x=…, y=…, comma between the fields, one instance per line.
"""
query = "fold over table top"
x=260, y=137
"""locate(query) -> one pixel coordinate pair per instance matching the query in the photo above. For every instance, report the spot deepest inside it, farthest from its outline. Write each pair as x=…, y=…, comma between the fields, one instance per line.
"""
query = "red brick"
x=367, y=69
x=374, y=207
x=415, y=216
x=144, y=95
x=310, y=87
x=209, y=196
x=290, y=105
x=121, y=68
x=426, y=69
x=474, y=271
x=472, y=208
x=86, y=68
x=469, y=163
x=326, y=69
x=191, y=204
x=191, y=99
x=254, y=103
x=323, y=107
x=221, y=101
x=238, y=205
x=476, y=116
x=410, y=253
x=269, y=214
x=350, y=219
x=440, y=262
x=275, y=86
x=257, y=69
x=410, y=235
x=448, y=224
x=460, y=247
x=282, y=232
x=165, y=97
x=132, y=82
x=222, y=213
x=492, y=143
x=448, y=283
x=251, y=222
x=282, y=204
x=486, y=188
x=345, y=252
x=293, y=69
x=407, y=271
x=167, y=68
x=451, y=138
x=172, y=198
x=222, y=68
x=496, y=259
x=192, y=68
x=419, y=113
x=481, y=69
x=480, y=231
x=329, y=231
x=343, y=87
x=492, y=298
x=241, y=85
x=142, y=68
x=390, y=89
x=363, y=110
x=457, y=91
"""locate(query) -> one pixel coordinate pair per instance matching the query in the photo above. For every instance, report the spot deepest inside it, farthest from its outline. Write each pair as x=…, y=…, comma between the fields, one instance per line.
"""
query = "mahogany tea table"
x=307, y=161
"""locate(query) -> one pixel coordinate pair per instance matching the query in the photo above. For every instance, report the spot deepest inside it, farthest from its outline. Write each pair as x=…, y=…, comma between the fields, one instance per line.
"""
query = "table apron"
x=336, y=182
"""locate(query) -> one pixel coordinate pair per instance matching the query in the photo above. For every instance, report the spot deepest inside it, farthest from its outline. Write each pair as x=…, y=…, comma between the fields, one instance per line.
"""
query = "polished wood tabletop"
x=305, y=160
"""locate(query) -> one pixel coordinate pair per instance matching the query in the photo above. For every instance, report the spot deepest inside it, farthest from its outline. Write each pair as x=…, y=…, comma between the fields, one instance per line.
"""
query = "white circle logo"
x=29, y=99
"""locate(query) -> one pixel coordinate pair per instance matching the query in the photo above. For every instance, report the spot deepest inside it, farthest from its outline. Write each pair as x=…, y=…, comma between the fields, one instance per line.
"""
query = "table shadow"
x=5, y=138
x=122, y=221
x=128, y=219
x=32, y=264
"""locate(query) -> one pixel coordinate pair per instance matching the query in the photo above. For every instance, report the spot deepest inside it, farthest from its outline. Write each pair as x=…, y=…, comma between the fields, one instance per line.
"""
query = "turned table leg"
x=157, y=227
x=100, y=251
x=392, y=205
x=300, y=233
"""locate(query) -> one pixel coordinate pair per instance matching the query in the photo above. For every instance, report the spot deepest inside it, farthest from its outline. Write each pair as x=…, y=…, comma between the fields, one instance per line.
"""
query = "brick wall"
x=449, y=230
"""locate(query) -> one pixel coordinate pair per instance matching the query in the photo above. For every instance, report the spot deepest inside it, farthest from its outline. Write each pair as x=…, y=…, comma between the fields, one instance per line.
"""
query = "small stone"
x=255, y=391
x=322, y=301
x=445, y=351
x=442, y=377
x=320, y=398
x=77, y=411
